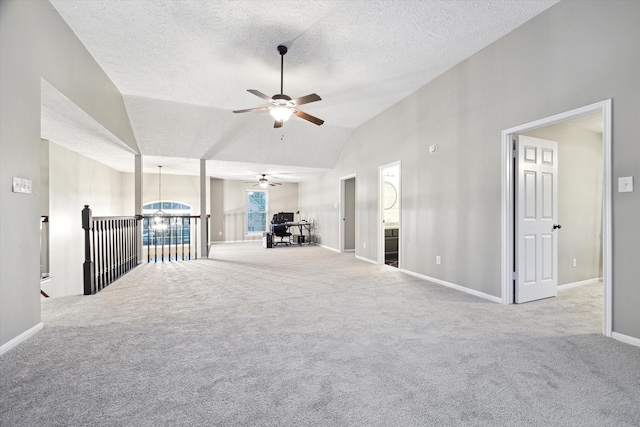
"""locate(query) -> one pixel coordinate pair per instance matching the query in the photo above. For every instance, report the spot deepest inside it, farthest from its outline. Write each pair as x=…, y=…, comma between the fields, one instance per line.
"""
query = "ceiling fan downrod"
x=282, y=49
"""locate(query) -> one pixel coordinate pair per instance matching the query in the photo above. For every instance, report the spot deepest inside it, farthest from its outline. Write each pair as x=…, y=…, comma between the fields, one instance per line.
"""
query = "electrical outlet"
x=574, y=262
x=219, y=233
x=438, y=260
x=364, y=245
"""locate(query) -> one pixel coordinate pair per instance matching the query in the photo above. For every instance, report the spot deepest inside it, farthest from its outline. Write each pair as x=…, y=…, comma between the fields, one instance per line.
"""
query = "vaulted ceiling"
x=183, y=66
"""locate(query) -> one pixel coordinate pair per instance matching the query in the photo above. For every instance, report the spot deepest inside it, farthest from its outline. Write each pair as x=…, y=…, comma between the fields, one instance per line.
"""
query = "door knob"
x=556, y=226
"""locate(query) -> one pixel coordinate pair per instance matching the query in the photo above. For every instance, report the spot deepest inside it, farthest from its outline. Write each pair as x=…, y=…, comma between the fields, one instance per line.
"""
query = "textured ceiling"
x=183, y=66
x=591, y=122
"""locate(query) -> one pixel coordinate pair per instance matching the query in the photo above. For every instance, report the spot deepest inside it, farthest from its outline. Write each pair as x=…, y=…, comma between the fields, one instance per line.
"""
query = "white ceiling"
x=184, y=65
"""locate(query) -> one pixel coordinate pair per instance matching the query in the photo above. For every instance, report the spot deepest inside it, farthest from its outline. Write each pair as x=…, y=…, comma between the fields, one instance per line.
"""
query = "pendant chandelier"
x=158, y=220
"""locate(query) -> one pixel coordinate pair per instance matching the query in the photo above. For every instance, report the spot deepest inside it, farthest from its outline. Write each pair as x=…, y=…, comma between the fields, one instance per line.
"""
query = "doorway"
x=348, y=214
x=510, y=255
x=390, y=214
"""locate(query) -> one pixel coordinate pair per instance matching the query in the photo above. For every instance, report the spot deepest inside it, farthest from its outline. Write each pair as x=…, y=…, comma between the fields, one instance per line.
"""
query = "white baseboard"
x=329, y=247
x=626, y=339
x=361, y=258
x=21, y=338
x=218, y=242
x=580, y=283
x=454, y=286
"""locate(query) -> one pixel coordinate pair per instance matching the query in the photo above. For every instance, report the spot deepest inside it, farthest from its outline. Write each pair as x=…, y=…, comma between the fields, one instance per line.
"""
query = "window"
x=257, y=202
x=174, y=231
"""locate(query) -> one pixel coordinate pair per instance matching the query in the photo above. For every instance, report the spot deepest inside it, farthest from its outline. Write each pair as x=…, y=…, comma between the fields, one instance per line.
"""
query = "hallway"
x=308, y=336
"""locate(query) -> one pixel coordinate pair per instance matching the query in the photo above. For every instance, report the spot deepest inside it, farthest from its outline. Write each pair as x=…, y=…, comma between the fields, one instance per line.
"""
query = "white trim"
x=626, y=339
x=453, y=286
x=507, y=202
x=580, y=283
x=361, y=258
x=607, y=219
x=21, y=338
x=220, y=242
x=330, y=248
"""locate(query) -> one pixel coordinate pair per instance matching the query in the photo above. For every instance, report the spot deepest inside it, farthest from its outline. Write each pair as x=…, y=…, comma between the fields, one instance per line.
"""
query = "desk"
x=302, y=225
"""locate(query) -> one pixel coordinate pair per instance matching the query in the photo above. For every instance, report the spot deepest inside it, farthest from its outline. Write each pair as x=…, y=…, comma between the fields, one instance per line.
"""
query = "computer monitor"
x=285, y=217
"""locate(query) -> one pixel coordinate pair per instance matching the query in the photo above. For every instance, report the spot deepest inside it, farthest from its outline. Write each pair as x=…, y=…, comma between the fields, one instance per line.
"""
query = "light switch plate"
x=21, y=185
x=625, y=184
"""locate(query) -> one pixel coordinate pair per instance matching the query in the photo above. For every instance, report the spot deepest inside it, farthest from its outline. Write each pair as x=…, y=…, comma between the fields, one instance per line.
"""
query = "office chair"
x=281, y=231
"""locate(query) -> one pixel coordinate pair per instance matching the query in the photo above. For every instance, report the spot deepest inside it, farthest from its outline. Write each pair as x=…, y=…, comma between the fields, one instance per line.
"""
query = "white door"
x=348, y=212
x=536, y=219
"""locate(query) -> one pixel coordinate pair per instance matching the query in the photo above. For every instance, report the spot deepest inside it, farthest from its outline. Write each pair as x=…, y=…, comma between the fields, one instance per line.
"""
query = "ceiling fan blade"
x=260, y=94
x=306, y=99
x=277, y=124
x=251, y=109
x=308, y=117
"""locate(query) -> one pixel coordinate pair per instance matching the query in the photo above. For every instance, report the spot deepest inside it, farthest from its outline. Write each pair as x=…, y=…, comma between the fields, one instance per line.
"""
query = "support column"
x=138, y=202
x=204, y=224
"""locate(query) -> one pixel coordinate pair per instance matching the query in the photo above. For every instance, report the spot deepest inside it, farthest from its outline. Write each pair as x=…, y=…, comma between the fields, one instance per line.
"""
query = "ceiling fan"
x=281, y=106
x=264, y=182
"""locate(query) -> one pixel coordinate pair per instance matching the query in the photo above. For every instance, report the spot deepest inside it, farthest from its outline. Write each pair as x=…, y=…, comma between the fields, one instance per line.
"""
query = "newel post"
x=87, y=267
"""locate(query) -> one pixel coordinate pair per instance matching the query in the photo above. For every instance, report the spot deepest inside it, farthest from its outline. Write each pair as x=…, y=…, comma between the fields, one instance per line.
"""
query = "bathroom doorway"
x=390, y=214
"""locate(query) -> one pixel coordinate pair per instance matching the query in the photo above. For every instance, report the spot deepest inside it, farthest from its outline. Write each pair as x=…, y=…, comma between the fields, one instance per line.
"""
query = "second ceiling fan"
x=281, y=106
x=263, y=182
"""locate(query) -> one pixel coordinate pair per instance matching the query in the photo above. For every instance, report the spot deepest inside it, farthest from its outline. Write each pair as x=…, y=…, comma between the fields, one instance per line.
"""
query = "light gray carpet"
x=303, y=336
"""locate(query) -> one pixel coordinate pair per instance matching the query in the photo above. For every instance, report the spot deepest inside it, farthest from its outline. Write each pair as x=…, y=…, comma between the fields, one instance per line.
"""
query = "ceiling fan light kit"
x=281, y=114
x=282, y=107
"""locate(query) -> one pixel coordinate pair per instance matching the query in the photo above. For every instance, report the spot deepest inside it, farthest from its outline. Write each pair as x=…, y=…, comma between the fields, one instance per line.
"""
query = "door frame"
x=508, y=200
x=381, y=212
x=341, y=230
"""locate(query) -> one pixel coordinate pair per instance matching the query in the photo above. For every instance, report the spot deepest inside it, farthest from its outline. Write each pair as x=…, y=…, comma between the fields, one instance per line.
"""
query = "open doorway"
x=585, y=163
x=390, y=214
x=348, y=214
x=580, y=198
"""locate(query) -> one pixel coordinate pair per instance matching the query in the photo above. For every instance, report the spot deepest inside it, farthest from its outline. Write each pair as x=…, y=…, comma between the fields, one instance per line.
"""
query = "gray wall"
x=175, y=188
x=228, y=207
x=216, y=223
x=579, y=200
x=35, y=43
x=572, y=55
x=75, y=181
